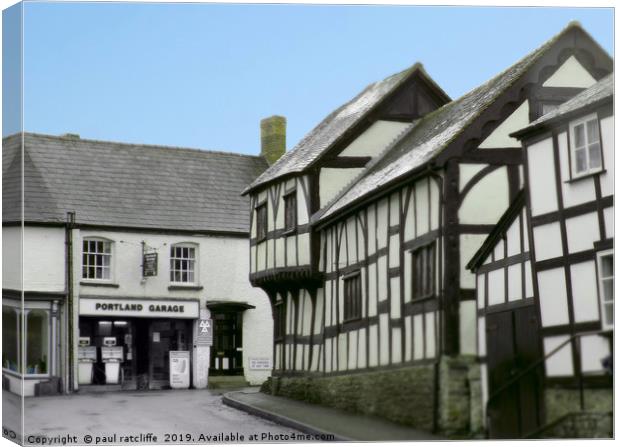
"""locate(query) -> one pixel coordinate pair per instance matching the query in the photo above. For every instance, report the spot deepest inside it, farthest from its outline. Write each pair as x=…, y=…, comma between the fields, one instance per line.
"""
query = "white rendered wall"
x=333, y=180
x=374, y=139
x=12, y=258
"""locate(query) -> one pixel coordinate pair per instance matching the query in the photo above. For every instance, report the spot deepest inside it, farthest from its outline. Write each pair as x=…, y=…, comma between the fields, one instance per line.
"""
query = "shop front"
x=130, y=344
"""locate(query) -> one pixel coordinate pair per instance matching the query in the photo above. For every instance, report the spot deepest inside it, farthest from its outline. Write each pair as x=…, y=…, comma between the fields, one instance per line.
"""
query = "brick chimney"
x=273, y=138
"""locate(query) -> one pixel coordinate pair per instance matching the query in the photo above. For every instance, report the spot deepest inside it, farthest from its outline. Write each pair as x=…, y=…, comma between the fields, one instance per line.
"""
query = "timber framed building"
x=361, y=235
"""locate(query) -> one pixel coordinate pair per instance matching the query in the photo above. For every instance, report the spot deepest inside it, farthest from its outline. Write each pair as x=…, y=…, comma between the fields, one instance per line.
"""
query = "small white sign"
x=260, y=364
x=155, y=337
x=179, y=369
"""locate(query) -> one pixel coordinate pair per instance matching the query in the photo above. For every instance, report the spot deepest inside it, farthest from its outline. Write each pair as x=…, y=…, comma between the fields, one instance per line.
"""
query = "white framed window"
x=97, y=259
x=183, y=263
x=606, y=288
x=585, y=146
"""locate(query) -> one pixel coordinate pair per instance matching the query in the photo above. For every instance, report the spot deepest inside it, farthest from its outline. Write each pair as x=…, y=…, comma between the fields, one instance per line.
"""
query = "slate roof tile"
x=119, y=184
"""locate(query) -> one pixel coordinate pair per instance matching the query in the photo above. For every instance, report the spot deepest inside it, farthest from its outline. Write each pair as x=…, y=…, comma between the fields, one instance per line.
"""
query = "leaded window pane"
x=580, y=162
x=594, y=151
x=579, y=136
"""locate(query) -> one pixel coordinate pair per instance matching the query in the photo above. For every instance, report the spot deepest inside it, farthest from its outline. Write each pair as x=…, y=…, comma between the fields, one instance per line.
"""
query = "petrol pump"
x=87, y=356
x=112, y=357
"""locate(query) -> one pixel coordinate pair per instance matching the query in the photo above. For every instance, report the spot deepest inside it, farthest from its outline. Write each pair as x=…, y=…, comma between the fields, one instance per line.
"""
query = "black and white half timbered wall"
x=397, y=204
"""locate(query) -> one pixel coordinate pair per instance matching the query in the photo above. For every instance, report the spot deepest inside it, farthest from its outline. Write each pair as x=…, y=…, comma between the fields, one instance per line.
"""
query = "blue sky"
x=203, y=75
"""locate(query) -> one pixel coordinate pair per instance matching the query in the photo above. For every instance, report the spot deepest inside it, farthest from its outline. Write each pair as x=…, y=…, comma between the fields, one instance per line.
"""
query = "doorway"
x=513, y=345
x=227, y=350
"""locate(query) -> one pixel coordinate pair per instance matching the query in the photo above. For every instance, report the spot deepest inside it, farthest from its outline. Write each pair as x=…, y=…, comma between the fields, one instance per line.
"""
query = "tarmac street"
x=175, y=416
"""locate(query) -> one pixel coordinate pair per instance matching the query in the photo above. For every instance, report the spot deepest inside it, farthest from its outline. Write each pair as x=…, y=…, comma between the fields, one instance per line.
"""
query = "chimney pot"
x=273, y=138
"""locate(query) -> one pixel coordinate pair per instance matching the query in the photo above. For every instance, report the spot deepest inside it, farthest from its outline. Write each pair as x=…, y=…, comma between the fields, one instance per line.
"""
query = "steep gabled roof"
x=336, y=124
x=126, y=185
x=600, y=92
x=416, y=150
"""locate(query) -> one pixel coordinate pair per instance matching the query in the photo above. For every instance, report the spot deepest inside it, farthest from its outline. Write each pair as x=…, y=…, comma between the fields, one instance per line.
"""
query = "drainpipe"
x=69, y=226
x=431, y=169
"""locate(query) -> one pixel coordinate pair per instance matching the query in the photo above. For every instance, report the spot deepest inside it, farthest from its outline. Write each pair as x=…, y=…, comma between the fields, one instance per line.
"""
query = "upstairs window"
x=261, y=222
x=585, y=141
x=182, y=264
x=606, y=288
x=290, y=211
x=423, y=272
x=96, y=259
x=353, y=297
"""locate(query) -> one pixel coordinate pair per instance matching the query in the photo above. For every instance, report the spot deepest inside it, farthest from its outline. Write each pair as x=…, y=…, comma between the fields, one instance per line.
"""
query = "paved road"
x=195, y=415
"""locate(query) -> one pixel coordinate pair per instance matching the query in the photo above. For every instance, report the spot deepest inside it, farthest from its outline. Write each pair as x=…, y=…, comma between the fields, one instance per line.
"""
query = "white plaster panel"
x=561, y=363
x=320, y=302
x=418, y=337
x=513, y=237
x=43, y=257
x=467, y=327
x=342, y=352
x=351, y=241
x=302, y=206
x=607, y=136
x=498, y=250
x=382, y=223
x=487, y=200
x=526, y=237
x=582, y=232
x=421, y=207
x=469, y=244
x=384, y=347
x=253, y=259
x=585, y=297
x=408, y=338
x=303, y=246
x=482, y=337
x=429, y=320
x=270, y=260
x=570, y=74
x=394, y=209
x=594, y=349
x=515, y=286
x=409, y=224
x=547, y=241
x=328, y=354
x=373, y=140
x=608, y=214
x=500, y=137
x=553, y=297
x=382, y=282
x=407, y=276
x=541, y=177
x=394, y=251
x=496, y=287
x=280, y=252
x=396, y=346
x=529, y=287
x=373, y=346
x=467, y=172
x=333, y=180
x=480, y=289
x=434, y=205
x=372, y=242
x=12, y=258
x=395, y=297
x=372, y=290
x=361, y=346
x=352, y=361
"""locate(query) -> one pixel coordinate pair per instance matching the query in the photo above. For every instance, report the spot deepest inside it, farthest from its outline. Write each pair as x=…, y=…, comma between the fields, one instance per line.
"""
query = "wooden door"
x=513, y=345
x=226, y=353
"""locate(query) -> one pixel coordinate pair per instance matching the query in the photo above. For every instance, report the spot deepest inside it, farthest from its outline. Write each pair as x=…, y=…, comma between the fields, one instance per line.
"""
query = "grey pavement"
x=318, y=419
x=197, y=416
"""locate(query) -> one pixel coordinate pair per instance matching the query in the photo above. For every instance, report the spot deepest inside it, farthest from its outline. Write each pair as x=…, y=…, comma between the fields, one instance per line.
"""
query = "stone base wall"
x=561, y=401
x=406, y=395
x=581, y=425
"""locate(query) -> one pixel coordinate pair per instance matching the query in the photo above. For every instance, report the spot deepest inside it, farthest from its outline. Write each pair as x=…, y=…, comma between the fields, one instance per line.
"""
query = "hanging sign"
x=205, y=333
x=179, y=369
x=149, y=264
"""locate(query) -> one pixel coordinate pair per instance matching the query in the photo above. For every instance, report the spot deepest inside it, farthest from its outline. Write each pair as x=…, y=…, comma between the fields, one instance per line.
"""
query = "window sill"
x=184, y=287
x=99, y=284
x=17, y=375
x=585, y=176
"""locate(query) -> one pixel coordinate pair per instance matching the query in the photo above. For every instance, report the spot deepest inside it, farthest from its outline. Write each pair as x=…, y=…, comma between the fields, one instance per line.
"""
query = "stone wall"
x=561, y=401
x=405, y=395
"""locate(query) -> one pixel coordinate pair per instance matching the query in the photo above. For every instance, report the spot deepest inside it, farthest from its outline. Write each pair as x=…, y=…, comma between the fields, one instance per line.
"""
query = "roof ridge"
x=133, y=145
